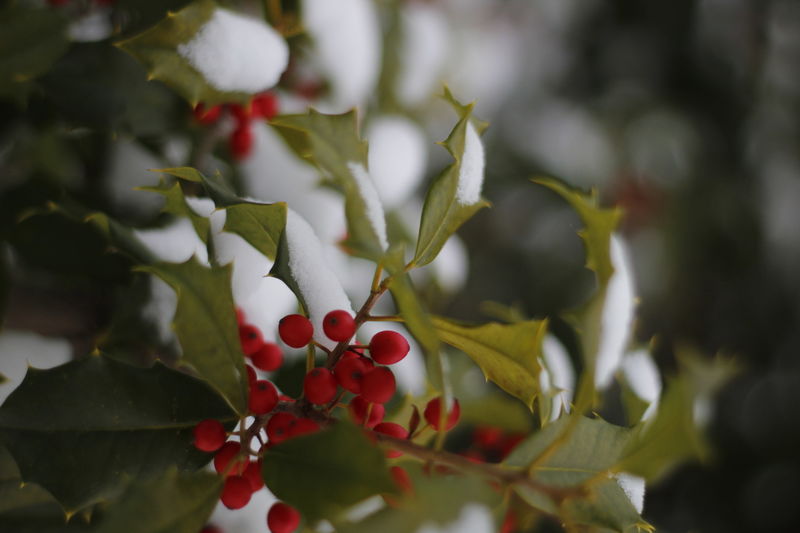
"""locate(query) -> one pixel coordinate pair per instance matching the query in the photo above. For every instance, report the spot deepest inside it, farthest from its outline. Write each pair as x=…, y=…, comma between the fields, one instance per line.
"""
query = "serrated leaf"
x=261, y=225
x=443, y=212
x=157, y=49
x=31, y=41
x=78, y=428
x=438, y=499
x=172, y=503
x=175, y=204
x=508, y=354
x=206, y=327
x=325, y=473
x=332, y=144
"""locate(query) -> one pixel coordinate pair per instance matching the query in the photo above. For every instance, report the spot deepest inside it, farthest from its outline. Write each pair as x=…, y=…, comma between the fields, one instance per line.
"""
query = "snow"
x=21, y=349
x=247, y=519
x=560, y=374
x=470, y=173
x=633, y=487
x=237, y=53
x=423, y=53
x=127, y=170
x=93, y=26
x=643, y=377
x=160, y=309
x=617, y=316
x=374, y=209
x=398, y=155
x=175, y=242
x=318, y=284
x=452, y=265
x=474, y=518
x=347, y=48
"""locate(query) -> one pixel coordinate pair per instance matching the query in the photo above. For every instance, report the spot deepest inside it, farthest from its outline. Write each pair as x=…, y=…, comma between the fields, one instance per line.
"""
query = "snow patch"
x=452, y=265
x=237, y=53
x=560, y=374
x=370, y=196
x=21, y=349
x=617, y=315
x=318, y=284
x=175, y=242
x=474, y=518
x=470, y=173
x=633, y=487
x=643, y=377
x=423, y=53
x=397, y=157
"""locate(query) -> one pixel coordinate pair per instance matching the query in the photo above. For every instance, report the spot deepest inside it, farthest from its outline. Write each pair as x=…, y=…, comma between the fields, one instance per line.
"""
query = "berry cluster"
x=264, y=106
x=359, y=370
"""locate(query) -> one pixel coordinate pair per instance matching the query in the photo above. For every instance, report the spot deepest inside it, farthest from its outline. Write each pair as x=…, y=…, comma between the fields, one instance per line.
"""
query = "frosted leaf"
x=237, y=53
x=397, y=158
x=470, y=173
x=617, y=315
x=642, y=376
x=374, y=209
x=318, y=284
x=633, y=487
x=347, y=48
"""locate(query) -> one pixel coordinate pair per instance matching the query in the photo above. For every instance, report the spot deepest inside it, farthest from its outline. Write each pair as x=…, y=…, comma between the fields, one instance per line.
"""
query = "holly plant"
x=315, y=407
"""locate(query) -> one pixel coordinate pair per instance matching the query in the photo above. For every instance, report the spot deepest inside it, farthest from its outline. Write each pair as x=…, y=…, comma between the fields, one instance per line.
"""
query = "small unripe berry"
x=282, y=518
x=253, y=474
x=319, y=386
x=378, y=385
x=393, y=430
x=209, y=435
x=295, y=330
x=227, y=461
x=279, y=426
x=349, y=372
x=339, y=325
x=263, y=397
x=251, y=338
x=236, y=492
x=388, y=347
x=433, y=413
x=268, y=358
x=358, y=410
x=241, y=141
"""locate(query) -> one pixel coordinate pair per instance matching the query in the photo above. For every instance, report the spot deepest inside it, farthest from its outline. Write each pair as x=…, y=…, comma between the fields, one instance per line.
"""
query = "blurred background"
x=686, y=114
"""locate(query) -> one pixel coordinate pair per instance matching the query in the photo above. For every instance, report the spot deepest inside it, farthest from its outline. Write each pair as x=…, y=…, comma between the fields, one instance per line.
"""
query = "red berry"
x=236, y=492
x=319, y=386
x=282, y=518
x=487, y=437
x=251, y=375
x=339, y=325
x=268, y=358
x=240, y=318
x=209, y=435
x=206, y=116
x=388, y=347
x=263, y=397
x=295, y=330
x=278, y=427
x=265, y=105
x=241, y=141
x=434, y=409
x=251, y=338
x=378, y=385
x=349, y=371
x=227, y=461
x=358, y=410
x=253, y=474
x=393, y=430
x=302, y=426
x=509, y=522
x=401, y=478
x=242, y=114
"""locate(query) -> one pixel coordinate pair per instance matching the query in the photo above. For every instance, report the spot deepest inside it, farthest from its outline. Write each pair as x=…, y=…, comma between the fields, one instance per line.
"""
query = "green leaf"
x=261, y=225
x=157, y=49
x=332, y=144
x=443, y=213
x=77, y=429
x=175, y=204
x=206, y=326
x=325, y=473
x=172, y=503
x=508, y=354
x=31, y=41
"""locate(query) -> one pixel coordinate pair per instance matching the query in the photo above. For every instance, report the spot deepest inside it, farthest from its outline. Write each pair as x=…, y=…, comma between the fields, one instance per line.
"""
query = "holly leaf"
x=206, y=326
x=325, y=473
x=79, y=428
x=261, y=225
x=157, y=49
x=31, y=41
x=333, y=145
x=508, y=354
x=175, y=204
x=447, y=206
x=174, y=502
